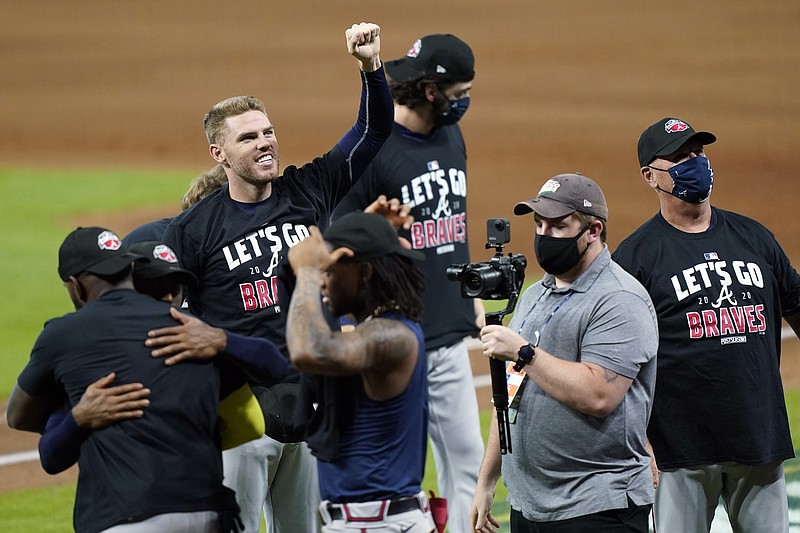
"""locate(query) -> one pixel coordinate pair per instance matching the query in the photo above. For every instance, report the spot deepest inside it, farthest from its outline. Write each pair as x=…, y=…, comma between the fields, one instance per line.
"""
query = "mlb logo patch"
x=433, y=165
x=711, y=255
x=107, y=240
x=164, y=253
x=675, y=126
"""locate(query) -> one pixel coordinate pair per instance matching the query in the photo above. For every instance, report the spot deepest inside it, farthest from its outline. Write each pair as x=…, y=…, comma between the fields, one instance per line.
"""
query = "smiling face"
x=249, y=148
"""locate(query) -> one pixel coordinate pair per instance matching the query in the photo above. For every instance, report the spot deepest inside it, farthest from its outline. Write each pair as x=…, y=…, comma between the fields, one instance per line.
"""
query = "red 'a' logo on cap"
x=164, y=253
x=675, y=126
x=108, y=241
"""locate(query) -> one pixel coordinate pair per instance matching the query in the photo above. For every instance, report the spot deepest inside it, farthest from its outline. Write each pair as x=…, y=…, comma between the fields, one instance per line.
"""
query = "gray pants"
x=754, y=497
x=199, y=522
x=454, y=430
x=279, y=478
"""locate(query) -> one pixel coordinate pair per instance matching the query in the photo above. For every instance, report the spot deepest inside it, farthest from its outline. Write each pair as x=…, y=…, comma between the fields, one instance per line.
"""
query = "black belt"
x=400, y=505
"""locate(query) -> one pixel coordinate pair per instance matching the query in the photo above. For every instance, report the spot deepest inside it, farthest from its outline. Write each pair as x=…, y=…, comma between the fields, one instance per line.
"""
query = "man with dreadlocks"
x=369, y=434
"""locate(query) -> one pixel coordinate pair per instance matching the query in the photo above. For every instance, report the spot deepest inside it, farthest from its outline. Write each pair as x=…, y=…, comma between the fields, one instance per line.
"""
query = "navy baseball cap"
x=666, y=137
x=369, y=235
x=163, y=262
x=564, y=194
x=95, y=250
x=439, y=55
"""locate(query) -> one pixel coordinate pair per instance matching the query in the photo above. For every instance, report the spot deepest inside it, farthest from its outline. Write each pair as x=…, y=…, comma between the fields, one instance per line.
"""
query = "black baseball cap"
x=369, y=235
x=666, y=137
x=441, y=55
x=564, y=194
x=163, y=262
x=95, y=250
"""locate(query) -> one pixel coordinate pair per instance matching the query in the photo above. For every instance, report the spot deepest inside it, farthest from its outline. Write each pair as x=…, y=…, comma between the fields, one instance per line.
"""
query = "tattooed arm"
x=382, y=351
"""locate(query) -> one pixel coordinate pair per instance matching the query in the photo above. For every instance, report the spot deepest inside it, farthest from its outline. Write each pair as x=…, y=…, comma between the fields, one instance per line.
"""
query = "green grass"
x=39, y=208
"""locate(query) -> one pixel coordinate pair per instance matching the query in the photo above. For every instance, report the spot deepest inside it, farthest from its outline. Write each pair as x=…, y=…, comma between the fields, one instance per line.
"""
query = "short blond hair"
x=214, y=121
x=203, y=185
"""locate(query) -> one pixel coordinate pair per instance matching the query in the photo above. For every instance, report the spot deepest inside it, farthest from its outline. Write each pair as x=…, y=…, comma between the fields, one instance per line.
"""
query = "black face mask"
x=557, y=255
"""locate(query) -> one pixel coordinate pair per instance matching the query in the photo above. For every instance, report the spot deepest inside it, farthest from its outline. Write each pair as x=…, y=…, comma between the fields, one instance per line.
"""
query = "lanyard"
x=528, y=315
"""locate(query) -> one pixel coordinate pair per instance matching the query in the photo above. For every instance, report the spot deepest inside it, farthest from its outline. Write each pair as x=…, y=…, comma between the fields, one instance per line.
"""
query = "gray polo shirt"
x=564, y=463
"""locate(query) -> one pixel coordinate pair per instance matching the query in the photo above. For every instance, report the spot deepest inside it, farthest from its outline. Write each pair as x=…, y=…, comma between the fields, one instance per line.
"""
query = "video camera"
x=501, y=277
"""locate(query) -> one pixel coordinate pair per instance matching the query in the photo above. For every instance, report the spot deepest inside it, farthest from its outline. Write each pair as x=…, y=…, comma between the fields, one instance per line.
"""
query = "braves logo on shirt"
x=438, y=198
x=726, y=315
x=259, y=254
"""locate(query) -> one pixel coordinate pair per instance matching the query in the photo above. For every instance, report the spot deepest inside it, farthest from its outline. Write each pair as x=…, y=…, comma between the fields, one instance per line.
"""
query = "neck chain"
x=391, y=305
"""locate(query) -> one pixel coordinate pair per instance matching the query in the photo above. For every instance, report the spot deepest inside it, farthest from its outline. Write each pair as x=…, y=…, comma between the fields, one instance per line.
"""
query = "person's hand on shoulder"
x=191, y=339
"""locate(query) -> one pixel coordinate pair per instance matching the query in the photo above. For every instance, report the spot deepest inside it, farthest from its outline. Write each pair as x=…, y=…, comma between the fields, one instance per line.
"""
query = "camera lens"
x=480, y=281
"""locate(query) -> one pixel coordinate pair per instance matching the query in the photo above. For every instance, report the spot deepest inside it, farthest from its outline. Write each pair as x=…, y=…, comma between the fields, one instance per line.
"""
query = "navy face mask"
x=693, y=180
x=454, y=112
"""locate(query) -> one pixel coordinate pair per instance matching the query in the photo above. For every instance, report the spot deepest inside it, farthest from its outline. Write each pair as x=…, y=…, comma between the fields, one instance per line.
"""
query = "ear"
x=77, y=292
x=595, y=229
x=366, y=272
x=431, y=90
x=217, y=153
x=649, y=176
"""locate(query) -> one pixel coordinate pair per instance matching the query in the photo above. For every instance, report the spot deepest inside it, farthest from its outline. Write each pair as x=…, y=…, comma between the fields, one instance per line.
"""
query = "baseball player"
x=236, y=240
x=370, y=436
x=424, y=164
x=720, y=283
x=124, y=468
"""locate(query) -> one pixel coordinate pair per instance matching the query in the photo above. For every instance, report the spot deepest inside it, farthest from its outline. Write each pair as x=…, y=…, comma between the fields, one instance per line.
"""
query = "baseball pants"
x=279, y=478
x=408, y=515
x=199, y=522
x=754, y=497
x=454, y=430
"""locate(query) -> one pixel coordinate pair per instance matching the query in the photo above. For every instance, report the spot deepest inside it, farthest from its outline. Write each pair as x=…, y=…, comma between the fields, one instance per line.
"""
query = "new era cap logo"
x=587, y=203
x=675, y=126
x=164, y=253
x=107, y=240
x=440, y=69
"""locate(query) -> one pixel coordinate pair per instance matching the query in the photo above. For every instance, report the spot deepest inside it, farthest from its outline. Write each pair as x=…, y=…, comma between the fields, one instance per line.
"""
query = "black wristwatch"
x=526, y=355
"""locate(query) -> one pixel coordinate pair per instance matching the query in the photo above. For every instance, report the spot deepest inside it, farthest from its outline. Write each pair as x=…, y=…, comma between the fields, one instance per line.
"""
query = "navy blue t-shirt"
x=166, y=461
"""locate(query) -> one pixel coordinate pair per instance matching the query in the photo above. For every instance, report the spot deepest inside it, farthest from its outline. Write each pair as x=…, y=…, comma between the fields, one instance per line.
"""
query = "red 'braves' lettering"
x=260, y=294
x=433, y=233
x=730, y=320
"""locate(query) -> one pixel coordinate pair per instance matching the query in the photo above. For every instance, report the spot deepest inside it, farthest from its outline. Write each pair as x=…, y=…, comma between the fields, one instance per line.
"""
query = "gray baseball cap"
x=564, y=194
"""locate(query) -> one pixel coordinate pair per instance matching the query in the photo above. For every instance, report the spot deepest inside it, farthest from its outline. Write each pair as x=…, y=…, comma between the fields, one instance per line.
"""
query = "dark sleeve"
x=361, y=194
x=374, y=123
x=61, y=441
x=258, y=357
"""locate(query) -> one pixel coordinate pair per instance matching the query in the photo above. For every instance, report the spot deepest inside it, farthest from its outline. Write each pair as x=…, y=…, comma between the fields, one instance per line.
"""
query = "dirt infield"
x=561, y=86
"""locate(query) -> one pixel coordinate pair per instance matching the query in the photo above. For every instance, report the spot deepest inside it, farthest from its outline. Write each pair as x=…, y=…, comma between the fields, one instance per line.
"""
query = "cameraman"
x=586, y=335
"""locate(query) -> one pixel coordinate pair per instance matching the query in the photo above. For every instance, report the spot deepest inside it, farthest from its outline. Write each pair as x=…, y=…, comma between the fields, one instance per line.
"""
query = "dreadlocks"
x=396, y=282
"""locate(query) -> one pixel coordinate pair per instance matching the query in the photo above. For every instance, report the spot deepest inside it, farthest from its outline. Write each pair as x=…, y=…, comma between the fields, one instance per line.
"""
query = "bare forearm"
x=308, y=335
x=585, y=387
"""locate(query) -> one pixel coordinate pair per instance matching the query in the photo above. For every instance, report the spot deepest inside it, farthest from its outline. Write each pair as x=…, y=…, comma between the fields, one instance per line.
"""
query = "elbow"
x=599, y=407
x=302, y=360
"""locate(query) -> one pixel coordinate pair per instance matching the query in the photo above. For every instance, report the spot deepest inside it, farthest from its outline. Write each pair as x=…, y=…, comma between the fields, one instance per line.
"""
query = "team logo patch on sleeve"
x=107, y=240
